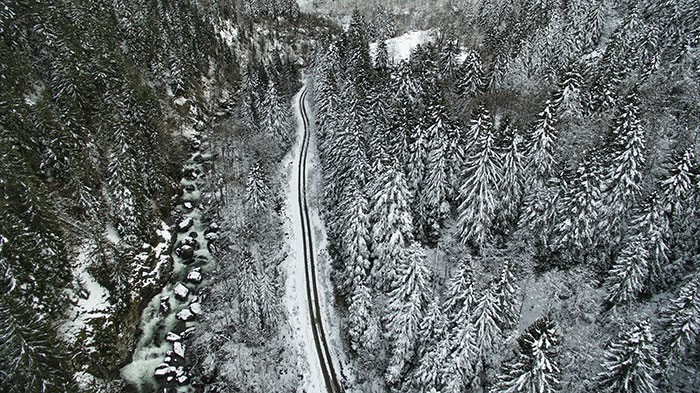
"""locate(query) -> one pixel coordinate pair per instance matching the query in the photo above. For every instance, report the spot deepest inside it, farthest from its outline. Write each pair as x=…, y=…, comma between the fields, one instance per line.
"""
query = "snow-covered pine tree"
x=478, y=194
x=506, y=294
x=458, y=370
x=541, y=141
x=627, y=278
x=31, y=360
x=461, y=294
x=682, y=318
x=360, y=313
x=268, y=301
x=407, y=299
x=433, y=327
x=677, y=187
x=355, y=240
x=485, y=317
x=512, y=185
x=580, y=210
x=392, y=225
x=623, y=177
x=276, y=114
x=631, y=362
x=437, y=189
x=257, y=191
x=567, y=96
x=535, y=368
x=473, y=77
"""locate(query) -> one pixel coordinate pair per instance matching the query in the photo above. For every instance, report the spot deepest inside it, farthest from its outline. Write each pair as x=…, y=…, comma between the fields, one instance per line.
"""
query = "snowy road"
x=320, y=355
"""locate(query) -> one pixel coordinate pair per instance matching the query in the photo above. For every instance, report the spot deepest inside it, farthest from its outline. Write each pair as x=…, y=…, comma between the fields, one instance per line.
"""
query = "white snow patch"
x=180, y=101
x=93, y=298
x=228, y=33
x=112, y=234
x=399, y=48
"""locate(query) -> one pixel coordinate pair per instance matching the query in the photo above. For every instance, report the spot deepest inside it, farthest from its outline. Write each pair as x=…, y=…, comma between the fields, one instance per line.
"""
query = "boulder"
x=195, y=276
x=181, y=291
x=172, y=337
x=185, y=315
x=185, y=252
x=185, y=225
x=196, y=309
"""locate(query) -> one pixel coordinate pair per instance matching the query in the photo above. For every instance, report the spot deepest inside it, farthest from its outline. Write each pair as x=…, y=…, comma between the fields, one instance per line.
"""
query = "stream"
x=169, y=321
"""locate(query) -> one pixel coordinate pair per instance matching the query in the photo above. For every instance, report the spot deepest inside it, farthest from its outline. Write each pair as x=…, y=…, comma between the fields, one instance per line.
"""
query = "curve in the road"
x=332, y=383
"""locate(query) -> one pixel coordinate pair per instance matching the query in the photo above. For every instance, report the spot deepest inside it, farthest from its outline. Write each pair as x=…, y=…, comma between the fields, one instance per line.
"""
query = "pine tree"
x=276, y=114
x=460, y=293
x=580, y=210
x=392, y=228
x=541, y=143
x=631, y=362
x=535, y=368
x=624, y=175
x=257, y=191
x=485, y=317
x=459, y=368
x=677, y=187
x=505, y=292
x=473, y=78
x=682, y=318
x=31, y=360
x=511, y=186
x=359, y=315
x=355, y=240
x=479, y=190
x=406, y=302
x=627, y=278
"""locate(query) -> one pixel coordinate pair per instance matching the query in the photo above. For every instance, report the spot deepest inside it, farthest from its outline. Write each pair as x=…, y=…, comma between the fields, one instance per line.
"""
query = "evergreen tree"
x=682, y=318
x=257, y=191
x=473, y=77
x=541, y=143
x=355, y=240
x=631, y=362
x=511, y=186
x=485, y=317
x=624, y=176
x=628, y=275
x=580, y=209
x=359, y=316
x=459, y=368
x=505, y=292
x=392, y=228
x=406, y=302
x=479, y=190
x=31, y=359
x=535, y=368
x=276, y=114
x=460, y=293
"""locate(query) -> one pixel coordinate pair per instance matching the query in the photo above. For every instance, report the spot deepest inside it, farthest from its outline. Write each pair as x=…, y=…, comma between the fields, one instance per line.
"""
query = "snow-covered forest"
x=501, y=196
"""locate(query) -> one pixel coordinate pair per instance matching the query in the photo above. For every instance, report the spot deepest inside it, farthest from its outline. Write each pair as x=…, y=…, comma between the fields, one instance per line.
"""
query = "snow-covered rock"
x=179, y=349
x=196, y=308
x=211, y=236
x=163, y=370
x=181, y=291
x=172, y=337
x=185, y=315
x=188, y=205
x=182, y=379
x=184, y=225
x=195, y=276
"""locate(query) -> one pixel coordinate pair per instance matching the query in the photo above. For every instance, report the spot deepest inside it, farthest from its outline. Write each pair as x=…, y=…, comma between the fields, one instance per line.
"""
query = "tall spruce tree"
x=535, y=368
x=631, y=362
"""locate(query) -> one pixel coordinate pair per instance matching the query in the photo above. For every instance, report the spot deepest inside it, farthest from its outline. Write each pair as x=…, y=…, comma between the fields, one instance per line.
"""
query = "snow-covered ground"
x=295, y=300
x=400, y=47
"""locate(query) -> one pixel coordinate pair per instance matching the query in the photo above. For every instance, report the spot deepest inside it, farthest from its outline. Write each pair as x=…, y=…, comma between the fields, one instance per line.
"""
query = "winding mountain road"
x=321, y=343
